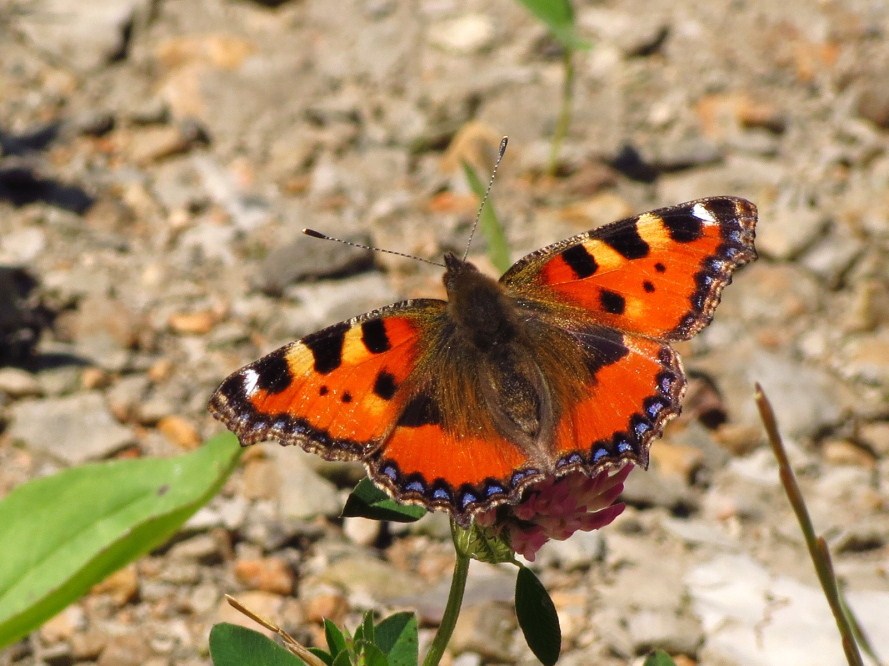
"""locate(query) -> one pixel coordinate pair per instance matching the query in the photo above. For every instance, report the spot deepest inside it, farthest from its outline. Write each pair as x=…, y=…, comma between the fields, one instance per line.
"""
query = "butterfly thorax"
x=488, y=328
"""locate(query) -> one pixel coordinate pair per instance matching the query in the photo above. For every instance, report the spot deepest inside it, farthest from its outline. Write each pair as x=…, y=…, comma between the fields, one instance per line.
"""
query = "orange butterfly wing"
x=336, y=392
x=624, y=290
x=636, y=387
x=659, y=275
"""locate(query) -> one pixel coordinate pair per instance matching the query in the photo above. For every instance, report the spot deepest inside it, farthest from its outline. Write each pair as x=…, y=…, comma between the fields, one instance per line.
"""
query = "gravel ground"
x=158, y=160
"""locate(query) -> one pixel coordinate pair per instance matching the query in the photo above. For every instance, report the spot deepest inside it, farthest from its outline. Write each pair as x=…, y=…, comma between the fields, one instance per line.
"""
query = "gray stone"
x=311, y=258
x=463, y=35
x=753, y=617
x=698, y=532
x=633, y=33
x=805, y=397
x=301, y=492
x=486, y=629
x=362, y=531
x=87, y=34
x=202, y=548
x=650, y=488
x=74, y=429
x=581, y=551
x=788, y=230
x=22, y=246
x=369, y=580
x=665, y=630
x=832, y=255
x=18, y=383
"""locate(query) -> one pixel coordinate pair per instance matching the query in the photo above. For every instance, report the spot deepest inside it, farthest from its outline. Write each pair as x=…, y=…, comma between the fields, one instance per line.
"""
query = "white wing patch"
x=251, y=379
x=700, y=211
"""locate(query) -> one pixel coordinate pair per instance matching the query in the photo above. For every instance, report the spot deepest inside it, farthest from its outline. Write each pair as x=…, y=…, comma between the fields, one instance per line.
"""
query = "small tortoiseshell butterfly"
x=563, y=364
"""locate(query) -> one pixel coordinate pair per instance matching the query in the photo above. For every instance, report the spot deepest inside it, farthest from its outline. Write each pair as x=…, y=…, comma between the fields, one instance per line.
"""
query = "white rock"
x=753, y=618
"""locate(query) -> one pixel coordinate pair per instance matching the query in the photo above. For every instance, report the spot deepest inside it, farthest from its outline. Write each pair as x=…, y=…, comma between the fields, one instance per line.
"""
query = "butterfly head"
x=477, y=304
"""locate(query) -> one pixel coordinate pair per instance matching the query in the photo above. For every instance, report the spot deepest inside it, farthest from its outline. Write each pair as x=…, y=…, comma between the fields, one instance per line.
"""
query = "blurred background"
x=158, y=160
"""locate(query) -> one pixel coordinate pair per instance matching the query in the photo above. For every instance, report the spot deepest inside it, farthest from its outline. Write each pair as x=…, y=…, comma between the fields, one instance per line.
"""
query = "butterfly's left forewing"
x=337, y=392
x=658, y=275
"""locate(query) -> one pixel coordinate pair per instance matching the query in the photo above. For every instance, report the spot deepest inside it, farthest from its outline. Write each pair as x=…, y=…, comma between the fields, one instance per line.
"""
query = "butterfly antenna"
x=481, y=207
x=318, y=234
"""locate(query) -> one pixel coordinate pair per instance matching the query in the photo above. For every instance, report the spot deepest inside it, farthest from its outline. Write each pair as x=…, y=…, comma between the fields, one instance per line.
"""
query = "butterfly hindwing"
x=426, y=463
x=336, y=392
x=635, y=386
x=659, y=274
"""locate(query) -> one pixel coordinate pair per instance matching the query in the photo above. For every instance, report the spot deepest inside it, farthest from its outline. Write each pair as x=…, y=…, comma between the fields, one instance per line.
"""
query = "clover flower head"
x=556, y=508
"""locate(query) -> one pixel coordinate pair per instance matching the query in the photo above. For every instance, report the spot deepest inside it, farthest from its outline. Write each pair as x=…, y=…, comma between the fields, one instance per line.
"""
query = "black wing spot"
x=384, y=385
x=323, y=390
x=660, y=268
x=347, y=397
x=722, y=209
x=604, y=347
x=580, y=261
x=327, y=347
x=684, y=229
x=421, y=410
x=612, y=302
x=373, y=335
x=648, y=287
x=627, y=242
x=273, y=372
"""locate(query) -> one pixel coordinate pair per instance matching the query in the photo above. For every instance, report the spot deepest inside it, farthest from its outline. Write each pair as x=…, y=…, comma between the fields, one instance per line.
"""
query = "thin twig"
x=817, y=547
x=296, y=648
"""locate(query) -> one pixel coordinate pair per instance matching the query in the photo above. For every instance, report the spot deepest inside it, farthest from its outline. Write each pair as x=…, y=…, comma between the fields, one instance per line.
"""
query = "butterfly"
x=563, y=364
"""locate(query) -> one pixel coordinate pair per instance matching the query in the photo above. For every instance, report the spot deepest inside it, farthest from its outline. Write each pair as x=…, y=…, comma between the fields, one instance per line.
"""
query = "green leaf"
x=482, y=544
x=323, y=655
x=489, y=223
x=336, y=641
x=62, y=534
x=365, y=632
x=233, y=645
x=397, y=638
x=373, y=656
x=659, y=658
x=368, y=501
x=344, y=658
x=558, y=16
x=537, y=617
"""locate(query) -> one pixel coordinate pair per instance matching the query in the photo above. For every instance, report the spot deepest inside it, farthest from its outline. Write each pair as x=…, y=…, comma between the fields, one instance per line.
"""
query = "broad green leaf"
x=558, y=16
x=368, y=501
x=62, y=534
x=659, y=658
x=492, y=230
x=537, y=617
x=336, y=641
x=233, y=645
x=397, y=638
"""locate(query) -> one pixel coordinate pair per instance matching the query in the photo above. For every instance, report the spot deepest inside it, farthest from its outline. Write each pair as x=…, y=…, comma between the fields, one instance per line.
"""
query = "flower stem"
x=451, y=612
x=564, y=121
